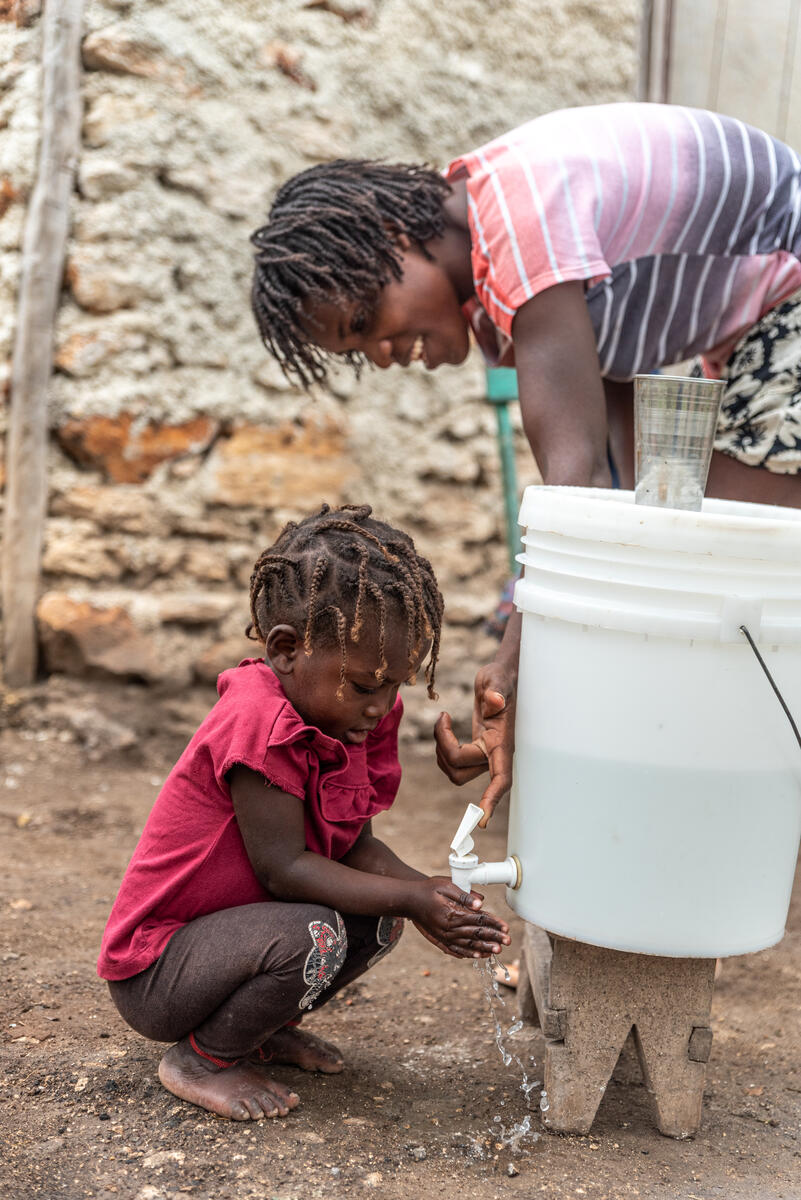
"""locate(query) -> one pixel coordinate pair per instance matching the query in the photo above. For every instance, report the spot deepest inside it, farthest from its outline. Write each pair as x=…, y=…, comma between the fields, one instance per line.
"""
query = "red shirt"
x=191, y=859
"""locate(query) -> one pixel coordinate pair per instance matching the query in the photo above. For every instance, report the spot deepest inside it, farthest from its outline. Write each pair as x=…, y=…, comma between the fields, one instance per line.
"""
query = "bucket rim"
x=610, y=515
x=678, y=378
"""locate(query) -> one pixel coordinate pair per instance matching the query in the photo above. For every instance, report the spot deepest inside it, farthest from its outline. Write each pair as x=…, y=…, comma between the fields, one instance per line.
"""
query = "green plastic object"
x=501, y=390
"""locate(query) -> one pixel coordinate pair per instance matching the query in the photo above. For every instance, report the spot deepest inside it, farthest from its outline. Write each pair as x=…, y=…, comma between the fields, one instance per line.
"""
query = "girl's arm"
x=272, y=828
x=370, y=854
x=562, y=400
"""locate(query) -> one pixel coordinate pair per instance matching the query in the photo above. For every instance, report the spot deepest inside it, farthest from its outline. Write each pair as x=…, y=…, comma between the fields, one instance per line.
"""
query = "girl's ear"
x=282, y=647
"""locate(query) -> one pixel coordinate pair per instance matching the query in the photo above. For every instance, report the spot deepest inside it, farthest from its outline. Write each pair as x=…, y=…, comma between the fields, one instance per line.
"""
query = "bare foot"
x=241, y=1092
x=507, y=974
x=304, y=1050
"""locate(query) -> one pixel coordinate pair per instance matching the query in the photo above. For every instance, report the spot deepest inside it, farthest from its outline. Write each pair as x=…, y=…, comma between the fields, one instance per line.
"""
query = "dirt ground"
x=83, y=1114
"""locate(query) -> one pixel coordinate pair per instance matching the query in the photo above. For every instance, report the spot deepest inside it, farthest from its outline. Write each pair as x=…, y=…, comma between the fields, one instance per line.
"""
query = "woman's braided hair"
x=332, y=236
x=328, y=574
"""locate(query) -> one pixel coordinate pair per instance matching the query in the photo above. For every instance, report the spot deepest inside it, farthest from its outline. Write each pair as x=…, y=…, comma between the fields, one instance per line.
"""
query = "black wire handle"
x=772, y=683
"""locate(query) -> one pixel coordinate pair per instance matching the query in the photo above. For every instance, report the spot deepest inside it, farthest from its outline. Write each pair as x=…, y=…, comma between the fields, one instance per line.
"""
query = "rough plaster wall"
x=178, y=449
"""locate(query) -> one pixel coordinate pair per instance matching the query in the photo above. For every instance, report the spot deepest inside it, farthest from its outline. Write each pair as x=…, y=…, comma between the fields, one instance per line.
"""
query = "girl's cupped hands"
x=454, y=921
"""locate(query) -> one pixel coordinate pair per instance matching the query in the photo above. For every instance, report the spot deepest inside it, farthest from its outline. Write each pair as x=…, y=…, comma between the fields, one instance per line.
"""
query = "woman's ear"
x=282, y=647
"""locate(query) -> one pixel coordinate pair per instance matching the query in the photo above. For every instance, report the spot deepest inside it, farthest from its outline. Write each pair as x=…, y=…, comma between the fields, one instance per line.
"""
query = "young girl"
x=257, y=889
x=585, y=247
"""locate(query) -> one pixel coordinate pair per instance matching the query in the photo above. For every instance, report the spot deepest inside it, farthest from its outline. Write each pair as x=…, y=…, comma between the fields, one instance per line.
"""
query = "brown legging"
x=234, y=977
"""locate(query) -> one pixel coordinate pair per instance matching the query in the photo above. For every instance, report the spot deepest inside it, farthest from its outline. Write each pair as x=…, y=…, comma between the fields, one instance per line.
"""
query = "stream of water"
x=520, y=1130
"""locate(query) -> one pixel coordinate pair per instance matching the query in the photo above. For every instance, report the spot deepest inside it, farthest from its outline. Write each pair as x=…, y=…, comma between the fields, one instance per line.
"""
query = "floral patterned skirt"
x=760, y=417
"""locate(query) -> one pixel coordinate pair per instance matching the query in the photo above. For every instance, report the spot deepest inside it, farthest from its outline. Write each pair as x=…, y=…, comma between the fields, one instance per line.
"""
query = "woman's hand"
x=492, y=744
x=452, y=920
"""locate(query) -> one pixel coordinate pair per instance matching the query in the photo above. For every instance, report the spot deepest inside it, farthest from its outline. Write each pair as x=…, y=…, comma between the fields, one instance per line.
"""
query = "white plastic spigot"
x=466, y=870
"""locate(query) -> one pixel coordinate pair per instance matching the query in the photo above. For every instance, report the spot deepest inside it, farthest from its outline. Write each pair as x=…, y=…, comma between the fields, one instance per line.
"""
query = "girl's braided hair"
x=332, y=235
x=328, y=574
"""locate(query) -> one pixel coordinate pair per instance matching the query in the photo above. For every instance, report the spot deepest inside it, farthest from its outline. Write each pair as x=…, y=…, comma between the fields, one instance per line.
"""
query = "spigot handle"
x=463, y=843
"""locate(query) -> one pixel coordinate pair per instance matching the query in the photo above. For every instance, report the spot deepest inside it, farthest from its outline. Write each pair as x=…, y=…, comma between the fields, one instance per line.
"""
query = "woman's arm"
x=492, y=745
x=272, y=827
x=563, y=406
x=562, y=401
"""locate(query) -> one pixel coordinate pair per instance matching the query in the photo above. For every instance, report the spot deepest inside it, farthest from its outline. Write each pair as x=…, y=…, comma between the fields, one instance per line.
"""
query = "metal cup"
x=675, y=420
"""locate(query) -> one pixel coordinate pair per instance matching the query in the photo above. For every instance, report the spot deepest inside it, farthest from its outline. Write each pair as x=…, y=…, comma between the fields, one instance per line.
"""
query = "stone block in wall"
x=242, y=558
x=463, y=516
x=448, y=462
x=82, y=639
x=158, y=46
x=109, y=115
x=103, y=279
x=87, y=346
x=75, y=548
x=193, y=337
x=12, y=229
x=192, y=608
x=156, y=637
x=99, y=178
x=227, y=192
x=224, y=654
x=189, y=521
x=127, y=451
x=292, y=466
x=148, y=559
x=268, y=374
x=462, y=608
x=207, y=562
x=9, y=195
x=124, y=508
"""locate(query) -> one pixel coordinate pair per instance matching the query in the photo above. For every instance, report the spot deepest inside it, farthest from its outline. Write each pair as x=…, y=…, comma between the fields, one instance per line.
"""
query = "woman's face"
x=417, y=318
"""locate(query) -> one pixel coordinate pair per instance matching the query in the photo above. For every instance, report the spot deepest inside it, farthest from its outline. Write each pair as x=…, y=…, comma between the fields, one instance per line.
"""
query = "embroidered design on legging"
x=329, y=947
x=387, y=933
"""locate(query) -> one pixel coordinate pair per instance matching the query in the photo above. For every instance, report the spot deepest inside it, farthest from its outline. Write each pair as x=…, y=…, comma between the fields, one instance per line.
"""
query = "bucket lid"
x=594, y=557
x=727, y=527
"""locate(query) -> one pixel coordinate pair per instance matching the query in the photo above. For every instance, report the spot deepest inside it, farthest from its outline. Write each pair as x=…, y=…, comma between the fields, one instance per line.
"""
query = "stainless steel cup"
x=675, y=420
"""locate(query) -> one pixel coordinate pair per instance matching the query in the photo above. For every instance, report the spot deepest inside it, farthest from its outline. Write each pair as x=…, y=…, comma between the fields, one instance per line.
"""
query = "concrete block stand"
x=587, y=1000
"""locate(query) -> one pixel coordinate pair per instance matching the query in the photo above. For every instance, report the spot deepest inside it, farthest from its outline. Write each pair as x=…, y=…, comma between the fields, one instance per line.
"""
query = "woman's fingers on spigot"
x=492, y=703
x=496, y=789
x=460, y=762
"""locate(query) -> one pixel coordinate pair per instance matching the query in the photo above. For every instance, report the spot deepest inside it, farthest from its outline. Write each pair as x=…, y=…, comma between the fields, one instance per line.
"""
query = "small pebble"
x=336, y=1172
x=512, y=1170
x=418, y=1153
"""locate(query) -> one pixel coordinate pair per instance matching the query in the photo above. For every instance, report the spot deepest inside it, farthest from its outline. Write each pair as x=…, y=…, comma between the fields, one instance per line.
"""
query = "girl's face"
x=417, y=318
x=311, y=682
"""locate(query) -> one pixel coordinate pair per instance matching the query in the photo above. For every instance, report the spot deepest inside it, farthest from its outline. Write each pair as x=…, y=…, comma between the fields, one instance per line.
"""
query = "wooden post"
x=656, y=24
x=44, y=241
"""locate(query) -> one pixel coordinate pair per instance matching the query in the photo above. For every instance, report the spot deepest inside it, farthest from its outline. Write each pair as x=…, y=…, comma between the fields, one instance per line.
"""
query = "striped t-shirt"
x=685, y=225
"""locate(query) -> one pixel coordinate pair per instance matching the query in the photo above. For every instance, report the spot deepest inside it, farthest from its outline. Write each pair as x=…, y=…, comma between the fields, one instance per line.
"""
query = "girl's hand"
x=453, y=921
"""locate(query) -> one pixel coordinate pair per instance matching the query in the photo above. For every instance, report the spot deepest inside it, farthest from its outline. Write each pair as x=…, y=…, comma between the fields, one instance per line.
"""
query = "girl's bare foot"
x=507, y=974
x=241, y=1092
x=304, y=1050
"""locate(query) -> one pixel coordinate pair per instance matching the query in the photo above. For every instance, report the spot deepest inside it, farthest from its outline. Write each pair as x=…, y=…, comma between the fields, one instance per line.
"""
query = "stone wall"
x=178, y=450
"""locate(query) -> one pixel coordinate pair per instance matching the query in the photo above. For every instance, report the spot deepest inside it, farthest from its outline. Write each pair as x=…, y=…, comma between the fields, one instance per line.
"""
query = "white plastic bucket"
x=656, y=804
